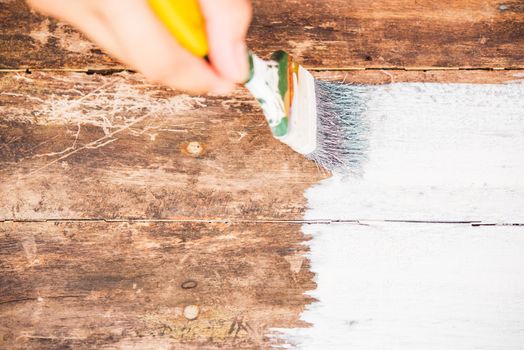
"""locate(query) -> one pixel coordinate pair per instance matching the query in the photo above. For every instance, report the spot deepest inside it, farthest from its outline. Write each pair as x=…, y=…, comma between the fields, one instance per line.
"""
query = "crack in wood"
x=364, y=222
x=107, y=72
x=39, y=298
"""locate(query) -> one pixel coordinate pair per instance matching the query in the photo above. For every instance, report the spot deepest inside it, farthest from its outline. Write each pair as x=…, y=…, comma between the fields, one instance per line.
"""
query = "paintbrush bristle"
x=324, y=121
x=342, y=131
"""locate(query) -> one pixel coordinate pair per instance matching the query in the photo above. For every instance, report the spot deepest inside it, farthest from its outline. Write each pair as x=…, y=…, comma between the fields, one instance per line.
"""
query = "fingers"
x=131, y=32
x=148, y=46
x=227, y=22
x=54, y=7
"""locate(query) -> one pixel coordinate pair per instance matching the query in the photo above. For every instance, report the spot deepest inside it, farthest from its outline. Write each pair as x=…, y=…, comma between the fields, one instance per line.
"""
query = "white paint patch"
x=437, y=152
x=415, y=286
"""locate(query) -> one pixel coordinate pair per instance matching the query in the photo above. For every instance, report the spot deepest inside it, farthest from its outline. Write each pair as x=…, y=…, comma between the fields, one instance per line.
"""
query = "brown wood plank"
x=91, y=146
x=322, y=34
x=118, y=285
x=77, y=146
x=31, y=40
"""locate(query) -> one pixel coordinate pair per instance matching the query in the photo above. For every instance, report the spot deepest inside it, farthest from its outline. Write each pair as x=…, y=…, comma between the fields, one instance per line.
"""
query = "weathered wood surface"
x=117, y=285
x=322, y=34
x=116, y=147
x=97, y=285
x=77, y=146
x=90, y=148
x=151, y=154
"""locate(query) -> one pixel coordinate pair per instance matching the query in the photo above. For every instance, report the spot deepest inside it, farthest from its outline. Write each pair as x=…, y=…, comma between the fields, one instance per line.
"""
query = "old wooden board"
x=90, y=148
x=77, y=146
x=116, y=147
x=323, y=34
x=139, y=285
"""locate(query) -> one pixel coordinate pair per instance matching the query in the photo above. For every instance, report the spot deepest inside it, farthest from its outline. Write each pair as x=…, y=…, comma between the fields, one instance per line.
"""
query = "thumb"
x=227, y=22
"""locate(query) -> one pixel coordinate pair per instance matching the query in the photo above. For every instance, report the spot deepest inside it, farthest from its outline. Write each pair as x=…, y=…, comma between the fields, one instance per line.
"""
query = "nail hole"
x=189, y=284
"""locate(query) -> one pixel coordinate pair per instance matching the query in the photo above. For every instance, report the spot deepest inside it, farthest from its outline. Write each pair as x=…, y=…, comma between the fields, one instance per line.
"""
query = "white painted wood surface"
x=415, y=286
x=438, y=152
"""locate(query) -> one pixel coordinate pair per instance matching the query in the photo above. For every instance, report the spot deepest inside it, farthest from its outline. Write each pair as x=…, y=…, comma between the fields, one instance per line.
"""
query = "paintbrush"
x=321, y=120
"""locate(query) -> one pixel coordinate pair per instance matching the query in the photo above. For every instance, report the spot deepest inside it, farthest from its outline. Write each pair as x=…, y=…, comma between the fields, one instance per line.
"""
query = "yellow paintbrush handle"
x=184, y=20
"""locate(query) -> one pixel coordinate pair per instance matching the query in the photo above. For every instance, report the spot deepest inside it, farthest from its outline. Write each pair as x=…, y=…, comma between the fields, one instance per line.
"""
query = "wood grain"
x=386, y=76
x=101, y=161
x=336, y=34
x=121, y=285
x=91, y=146
x=77, y=146
x=145, y=152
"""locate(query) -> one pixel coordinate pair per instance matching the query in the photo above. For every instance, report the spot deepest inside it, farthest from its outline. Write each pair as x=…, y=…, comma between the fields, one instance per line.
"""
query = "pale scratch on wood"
x=30, y=250
x=391, y=78
x=111, y=106
x=72, y=147
x=100, y=145
x=94, y=144
x=28, y=97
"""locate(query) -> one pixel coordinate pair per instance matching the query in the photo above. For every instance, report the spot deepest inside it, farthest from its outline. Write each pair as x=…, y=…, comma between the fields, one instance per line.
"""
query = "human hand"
x=129, y=31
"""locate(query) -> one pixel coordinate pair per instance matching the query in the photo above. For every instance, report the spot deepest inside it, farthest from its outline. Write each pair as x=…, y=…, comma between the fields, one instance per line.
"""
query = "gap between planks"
x=110, y=71
x=364, y=222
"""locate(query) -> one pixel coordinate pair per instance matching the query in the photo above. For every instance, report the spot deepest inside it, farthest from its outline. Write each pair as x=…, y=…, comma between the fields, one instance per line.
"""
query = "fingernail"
x=241, y=58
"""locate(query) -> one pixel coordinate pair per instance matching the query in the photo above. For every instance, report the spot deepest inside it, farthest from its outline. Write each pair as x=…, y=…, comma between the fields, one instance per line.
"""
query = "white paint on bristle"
x=342, y=130
x=442, y=152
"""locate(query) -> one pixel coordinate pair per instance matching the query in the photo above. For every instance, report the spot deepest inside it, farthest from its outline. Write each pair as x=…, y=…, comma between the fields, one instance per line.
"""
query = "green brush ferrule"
x=269, y=83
